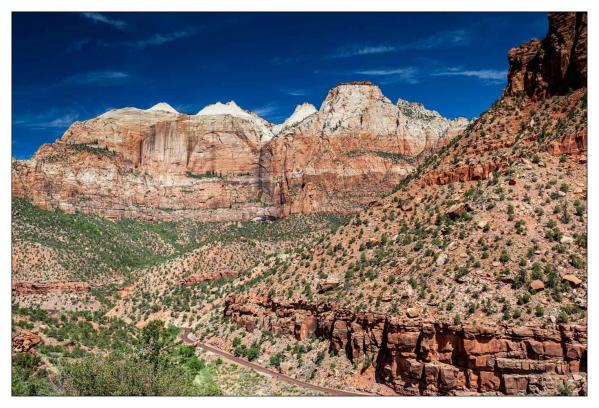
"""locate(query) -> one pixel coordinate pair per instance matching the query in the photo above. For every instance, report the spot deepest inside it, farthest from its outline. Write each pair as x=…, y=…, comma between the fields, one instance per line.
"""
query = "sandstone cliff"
x=432, y=358
x=226, y=163
x=555, y=65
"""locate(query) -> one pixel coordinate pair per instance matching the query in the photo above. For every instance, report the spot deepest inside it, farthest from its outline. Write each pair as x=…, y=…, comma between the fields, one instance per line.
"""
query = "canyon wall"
x=555, y=65
x=228, y=164
x=417, y=357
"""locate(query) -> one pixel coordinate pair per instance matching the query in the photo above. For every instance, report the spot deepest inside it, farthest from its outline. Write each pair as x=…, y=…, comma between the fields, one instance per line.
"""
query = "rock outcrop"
x=225, y=163
x=417, y=357
x=24, y=341
x=356, y=146
x=29, y=288
x=198, y=278
x=555, y=65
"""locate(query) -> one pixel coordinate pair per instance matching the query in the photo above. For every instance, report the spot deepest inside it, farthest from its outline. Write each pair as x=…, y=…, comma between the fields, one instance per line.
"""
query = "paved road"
x=285, y=378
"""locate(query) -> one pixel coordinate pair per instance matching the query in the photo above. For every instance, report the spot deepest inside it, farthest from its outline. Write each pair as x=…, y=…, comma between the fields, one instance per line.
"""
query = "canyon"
x=454, y=261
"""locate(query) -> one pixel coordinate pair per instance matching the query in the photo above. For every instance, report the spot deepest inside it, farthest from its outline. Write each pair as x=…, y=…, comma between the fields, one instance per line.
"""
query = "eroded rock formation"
x=47, y=287
x=24, y=340
x=417, y=357
x=555, y=65
x=227, y=164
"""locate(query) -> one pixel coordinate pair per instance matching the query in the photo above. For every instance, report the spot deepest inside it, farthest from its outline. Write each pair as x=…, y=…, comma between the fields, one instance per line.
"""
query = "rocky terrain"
x=459, y=266
x=228, y=164
x=491, y=228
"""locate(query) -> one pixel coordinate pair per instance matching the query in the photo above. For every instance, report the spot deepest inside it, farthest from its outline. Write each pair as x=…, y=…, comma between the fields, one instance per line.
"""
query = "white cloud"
x=77, y=45
x=494, y=75
x=95, y=77
x=154, y=40
x=47, y=120
x=450, y=38
x=295, y=92
x=404, y=74
x=266, y=109
x=355, y=50
x=104, y=19
x=160, y=39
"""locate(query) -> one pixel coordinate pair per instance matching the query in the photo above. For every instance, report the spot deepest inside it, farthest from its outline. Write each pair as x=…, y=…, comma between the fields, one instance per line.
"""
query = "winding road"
x=282, y=377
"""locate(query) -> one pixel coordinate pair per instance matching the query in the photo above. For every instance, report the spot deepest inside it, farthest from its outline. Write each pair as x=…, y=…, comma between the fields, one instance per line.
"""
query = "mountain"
x=162, y=107
x=225, y=163
x=300, y=113
x=358, y=145
x=471, y=278
x=414, y=255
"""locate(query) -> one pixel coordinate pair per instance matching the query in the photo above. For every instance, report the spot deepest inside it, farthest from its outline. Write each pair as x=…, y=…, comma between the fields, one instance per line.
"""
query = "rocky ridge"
x=555, y=65
x=226, y=164
x=491, y=228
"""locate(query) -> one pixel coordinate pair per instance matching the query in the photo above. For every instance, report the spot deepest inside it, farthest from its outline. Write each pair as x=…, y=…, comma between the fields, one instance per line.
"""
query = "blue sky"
x=75, y=66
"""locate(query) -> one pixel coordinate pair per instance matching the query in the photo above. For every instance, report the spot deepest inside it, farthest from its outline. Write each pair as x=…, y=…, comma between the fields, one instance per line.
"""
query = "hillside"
x=490, y=229
x=366, y=246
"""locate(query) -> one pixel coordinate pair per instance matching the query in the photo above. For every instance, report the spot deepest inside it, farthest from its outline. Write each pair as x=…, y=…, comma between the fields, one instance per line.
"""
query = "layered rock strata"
x=29, y=288
x=417, y=357
x=227, y=164
x=555, y=65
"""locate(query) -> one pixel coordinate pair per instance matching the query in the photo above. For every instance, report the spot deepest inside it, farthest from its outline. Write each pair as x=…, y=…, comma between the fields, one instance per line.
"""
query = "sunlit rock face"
x=226, y=163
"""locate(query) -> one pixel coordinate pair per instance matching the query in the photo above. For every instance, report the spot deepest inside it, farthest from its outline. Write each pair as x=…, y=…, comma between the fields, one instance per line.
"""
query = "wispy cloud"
x=160, y=39
x=267, y=109
x=287, y=60
x=153, y=40
x=391, y=75
x=104, y=19
x=48, y=120
x=491, y=75
x=295, y=92
x=352, y=50
x=95, y=78
x=449, y=38
x=77, y=45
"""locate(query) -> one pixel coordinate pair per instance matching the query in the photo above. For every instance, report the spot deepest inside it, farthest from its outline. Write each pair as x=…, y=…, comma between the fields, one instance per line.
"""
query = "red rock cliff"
x=555, y=65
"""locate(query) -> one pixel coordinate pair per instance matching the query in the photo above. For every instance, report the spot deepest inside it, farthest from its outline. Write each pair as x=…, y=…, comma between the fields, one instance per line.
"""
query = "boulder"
x=458, y=210
x=441, y=259
x=537, y=285
x=572, y=279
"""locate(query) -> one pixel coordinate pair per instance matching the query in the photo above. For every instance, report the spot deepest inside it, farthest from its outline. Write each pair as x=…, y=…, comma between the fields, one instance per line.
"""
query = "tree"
x=156, y=343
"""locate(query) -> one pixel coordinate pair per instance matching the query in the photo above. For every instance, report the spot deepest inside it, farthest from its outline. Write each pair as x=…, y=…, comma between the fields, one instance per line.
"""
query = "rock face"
x=357, y=145
x=198, y=278
x=416, y=357
x=40, y=288
x=554, y=65
x=225, y=163
x=24, y=340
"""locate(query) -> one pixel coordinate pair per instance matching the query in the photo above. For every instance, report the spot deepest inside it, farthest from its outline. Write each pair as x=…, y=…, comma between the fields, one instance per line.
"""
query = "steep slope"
x=357, y=146
x=471, y=278
x=221, y=163
x=300, y=113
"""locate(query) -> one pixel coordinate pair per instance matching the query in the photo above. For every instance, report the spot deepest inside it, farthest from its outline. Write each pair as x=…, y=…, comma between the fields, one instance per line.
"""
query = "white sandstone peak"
x=300, y=113
x=219, y=108
x=162, y=107
x=232, y=109
x=416, y=110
